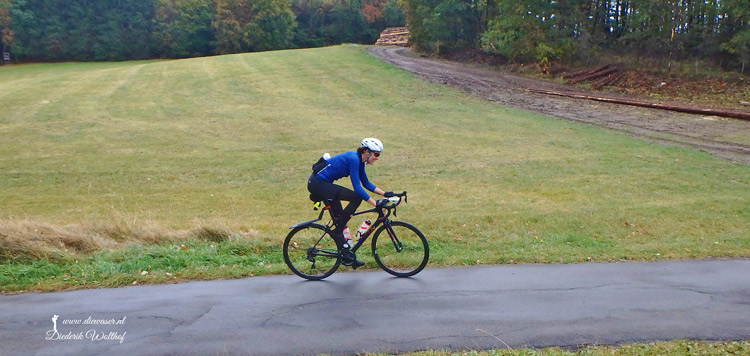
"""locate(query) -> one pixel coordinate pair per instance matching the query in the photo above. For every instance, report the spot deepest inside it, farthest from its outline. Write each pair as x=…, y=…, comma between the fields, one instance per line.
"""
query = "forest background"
x=717, y=31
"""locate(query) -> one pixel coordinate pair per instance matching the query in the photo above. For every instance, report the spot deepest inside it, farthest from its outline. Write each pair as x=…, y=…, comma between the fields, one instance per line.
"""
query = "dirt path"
x=723, y=137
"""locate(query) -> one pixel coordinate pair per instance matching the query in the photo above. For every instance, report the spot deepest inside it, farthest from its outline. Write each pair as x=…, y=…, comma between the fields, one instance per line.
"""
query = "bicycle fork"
x=394, y=239
x=396, y=242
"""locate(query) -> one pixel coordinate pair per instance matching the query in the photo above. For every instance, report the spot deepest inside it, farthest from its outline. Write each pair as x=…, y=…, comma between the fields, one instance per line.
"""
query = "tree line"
x=521, y=30
x=105, y=30
x=549, y=30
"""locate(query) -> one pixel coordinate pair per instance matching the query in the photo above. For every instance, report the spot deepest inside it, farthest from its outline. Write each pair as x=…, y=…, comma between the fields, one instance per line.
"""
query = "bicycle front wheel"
x=400, y=249
x=311, y=253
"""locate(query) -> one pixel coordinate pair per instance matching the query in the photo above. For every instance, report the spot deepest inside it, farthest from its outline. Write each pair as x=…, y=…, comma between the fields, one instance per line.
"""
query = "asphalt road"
x=460, y=308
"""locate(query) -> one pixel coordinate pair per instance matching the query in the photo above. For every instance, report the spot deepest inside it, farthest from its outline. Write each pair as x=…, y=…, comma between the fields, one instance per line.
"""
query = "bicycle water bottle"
x=363, y=228
x=347, y=238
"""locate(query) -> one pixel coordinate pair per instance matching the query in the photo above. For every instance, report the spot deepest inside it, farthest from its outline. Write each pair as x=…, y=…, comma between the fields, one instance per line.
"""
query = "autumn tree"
x=252, y=25
x=443, y=25
x=183, y=28
x=6, y=31
x=737, y=29
x=531, y=30
x=327, y=22
x=383, y=12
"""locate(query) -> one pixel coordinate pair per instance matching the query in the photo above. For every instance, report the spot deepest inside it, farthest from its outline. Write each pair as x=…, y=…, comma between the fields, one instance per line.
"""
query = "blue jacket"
x=348, y=164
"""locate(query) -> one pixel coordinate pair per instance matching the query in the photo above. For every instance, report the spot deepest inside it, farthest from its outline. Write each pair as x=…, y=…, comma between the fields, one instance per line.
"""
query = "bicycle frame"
x=383, y=218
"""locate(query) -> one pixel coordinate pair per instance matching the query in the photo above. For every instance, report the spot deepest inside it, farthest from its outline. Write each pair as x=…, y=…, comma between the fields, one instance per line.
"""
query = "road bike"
x=398, y=247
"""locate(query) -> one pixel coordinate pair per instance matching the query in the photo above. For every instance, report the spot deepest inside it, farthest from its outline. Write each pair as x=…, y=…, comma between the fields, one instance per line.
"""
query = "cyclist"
x=351, y=164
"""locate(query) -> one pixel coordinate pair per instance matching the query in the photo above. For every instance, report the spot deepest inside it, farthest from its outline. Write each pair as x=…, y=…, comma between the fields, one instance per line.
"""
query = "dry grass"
x=28, y=240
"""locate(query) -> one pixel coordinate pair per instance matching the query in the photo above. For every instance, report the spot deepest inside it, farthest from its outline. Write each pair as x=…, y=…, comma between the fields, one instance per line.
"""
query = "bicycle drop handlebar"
x=395, y=200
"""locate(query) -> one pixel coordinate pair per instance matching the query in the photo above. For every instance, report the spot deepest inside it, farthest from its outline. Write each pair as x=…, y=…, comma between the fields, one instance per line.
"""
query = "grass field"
x=159, y=171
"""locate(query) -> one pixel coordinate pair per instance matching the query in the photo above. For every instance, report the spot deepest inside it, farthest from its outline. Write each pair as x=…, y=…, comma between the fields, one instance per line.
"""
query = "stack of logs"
x=394, y=36
x=599, y=77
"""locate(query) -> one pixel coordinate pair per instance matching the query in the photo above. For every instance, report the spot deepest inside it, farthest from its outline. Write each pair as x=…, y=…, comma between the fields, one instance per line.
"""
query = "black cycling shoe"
x=357, y=263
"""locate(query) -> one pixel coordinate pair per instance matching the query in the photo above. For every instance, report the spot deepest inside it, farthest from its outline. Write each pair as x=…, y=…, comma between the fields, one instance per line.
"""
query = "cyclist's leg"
x=326, y=190
x=354, y=202
x=348, y=257
x=341, y=216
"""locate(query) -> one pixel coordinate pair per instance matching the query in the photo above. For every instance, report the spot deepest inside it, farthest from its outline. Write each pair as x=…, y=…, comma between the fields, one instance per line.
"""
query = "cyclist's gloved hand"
x=382, y=203
x=389, y=194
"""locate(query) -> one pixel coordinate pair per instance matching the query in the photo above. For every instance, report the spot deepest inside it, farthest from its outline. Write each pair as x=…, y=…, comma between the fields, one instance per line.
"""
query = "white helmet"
x=373, y=144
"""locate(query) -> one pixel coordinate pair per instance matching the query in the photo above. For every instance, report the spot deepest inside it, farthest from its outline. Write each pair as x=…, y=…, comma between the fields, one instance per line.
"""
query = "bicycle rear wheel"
x=311, y=253
x=400, y=249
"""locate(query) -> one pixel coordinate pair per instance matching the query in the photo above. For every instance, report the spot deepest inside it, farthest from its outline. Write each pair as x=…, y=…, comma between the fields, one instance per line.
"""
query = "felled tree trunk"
x=737, y=114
